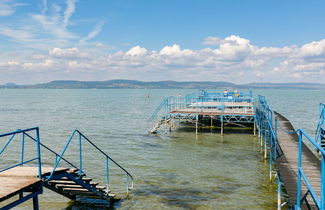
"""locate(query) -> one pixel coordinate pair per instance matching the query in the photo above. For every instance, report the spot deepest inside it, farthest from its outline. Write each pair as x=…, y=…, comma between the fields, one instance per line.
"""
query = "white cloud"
x=175, y=50
x=8, y=7
x=67, y=53
x=44, y=30
x=211, y=40
x=137, y=51
x=92, y=34
x=71, y=7
x=236, y=59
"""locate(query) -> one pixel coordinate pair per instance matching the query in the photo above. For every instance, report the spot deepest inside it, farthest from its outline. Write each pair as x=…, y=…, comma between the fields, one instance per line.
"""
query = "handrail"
x=321, y=122
x=52, y=151
x=265, y=110
x=161, y=105
x=81, y=137
x=22, y=162
x=319, y=202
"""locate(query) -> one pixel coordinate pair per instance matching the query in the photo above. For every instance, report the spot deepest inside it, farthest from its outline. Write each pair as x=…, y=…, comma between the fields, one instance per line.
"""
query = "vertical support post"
x=259, y=127
x=196, y=123
x=107, y=173
x=35, y=203
x=275, y=136
x=271, y=155
x=211, y=123
x=127, y=184
x=322, y=199
x=265, y=142
x=299, y=169
x=279, y=192
x=254, y=126
x=38, y=154
x=221, y=120
x=80, y=155
x=23, y=147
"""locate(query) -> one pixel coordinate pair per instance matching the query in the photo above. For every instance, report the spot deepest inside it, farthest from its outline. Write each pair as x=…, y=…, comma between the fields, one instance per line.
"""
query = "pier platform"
x=214, y=109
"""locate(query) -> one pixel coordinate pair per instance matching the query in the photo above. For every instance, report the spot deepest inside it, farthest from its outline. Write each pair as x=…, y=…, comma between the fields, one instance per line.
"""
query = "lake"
x=177, y=170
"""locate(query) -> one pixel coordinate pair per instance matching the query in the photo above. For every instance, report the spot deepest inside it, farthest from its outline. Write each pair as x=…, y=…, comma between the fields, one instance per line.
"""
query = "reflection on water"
x=177, y=170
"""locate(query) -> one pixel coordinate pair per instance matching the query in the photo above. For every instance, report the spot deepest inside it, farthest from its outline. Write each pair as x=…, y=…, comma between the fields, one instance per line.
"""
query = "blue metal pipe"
x=22, y=147
x=299, y=169
x=80, y=156
x=38, y=140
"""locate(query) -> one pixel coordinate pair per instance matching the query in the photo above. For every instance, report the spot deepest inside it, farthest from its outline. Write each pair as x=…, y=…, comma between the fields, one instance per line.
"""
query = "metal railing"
x=320, y=202
x=81, y=138
x=321, y=124
x=22, y=158
x=268, y=124
x=192, y=101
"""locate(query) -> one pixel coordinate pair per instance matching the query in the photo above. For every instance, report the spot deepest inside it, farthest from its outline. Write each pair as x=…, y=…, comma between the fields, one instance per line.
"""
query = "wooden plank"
x=10, y=186
x=30, y=171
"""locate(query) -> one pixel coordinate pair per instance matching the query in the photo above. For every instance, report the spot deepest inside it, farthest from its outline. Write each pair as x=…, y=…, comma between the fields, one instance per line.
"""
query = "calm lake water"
x=177, y=170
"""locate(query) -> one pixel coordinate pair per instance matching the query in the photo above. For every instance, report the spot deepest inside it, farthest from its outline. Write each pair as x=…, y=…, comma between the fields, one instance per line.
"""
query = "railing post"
x=127, y=183
x=107, y=172
x=322, y=201
x=275, y=136
x=265, y=142
x=299, y=169
x=279, y=192
x=271, y=155
x=22, y=147
x=38, y=153
x=80, y=155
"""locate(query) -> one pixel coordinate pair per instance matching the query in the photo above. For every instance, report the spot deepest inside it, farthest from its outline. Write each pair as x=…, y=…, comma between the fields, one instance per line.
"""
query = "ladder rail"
x=82, y=137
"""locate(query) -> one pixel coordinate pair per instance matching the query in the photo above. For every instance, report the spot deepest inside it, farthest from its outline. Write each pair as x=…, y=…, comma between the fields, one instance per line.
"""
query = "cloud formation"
x=8, y=7
x=49, y=28
x=235, y=59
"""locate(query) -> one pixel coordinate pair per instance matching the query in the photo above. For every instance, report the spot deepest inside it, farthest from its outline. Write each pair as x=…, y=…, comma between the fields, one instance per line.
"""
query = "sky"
x=240, y=41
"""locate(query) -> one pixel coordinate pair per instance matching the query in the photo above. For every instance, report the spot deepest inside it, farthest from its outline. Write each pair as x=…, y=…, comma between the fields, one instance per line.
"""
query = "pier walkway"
x=296, y=158
x=287, y=164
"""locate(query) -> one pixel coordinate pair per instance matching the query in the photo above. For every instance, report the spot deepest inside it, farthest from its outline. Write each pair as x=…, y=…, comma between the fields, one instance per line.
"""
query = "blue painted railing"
x=320, y=131
x=22, y=161
x=320, y=202
x=268, y=125
x=179, y=102
x=82, y=138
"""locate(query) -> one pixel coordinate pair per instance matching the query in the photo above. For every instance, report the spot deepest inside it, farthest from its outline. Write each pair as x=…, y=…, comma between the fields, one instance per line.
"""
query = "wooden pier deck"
x=288, y=163
x=20, y=179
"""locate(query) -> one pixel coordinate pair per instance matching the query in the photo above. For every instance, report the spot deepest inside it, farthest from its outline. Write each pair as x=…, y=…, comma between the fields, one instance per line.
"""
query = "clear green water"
x=178, y=170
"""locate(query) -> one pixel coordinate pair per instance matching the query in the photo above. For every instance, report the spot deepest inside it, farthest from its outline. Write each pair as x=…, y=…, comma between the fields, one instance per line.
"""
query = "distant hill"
x=134, y=84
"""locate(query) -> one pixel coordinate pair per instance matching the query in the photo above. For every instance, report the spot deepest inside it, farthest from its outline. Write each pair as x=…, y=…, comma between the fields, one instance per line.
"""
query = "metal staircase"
x=71, y=182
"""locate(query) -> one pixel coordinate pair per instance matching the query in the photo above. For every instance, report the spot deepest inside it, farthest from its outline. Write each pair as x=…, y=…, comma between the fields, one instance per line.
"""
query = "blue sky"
x=238, y=41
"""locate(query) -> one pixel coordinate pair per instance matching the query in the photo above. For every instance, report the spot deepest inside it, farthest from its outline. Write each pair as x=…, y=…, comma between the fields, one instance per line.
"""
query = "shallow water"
x=177, y=170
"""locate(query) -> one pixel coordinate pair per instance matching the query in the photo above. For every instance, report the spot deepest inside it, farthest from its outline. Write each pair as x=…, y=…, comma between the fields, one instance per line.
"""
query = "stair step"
x=73, y=170
x=68, y=186
x=100, y=187
x=69, y=182
x=81, y=189
x=84, y=192
x=85, y=179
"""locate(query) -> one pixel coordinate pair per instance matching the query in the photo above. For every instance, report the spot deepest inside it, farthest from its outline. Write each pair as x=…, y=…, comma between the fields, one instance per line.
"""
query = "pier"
x=296, y=160
x=207, y=108
x=26, y=178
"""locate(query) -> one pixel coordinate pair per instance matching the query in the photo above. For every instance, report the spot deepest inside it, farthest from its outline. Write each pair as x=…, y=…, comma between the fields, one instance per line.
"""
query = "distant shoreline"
x=134, y=84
